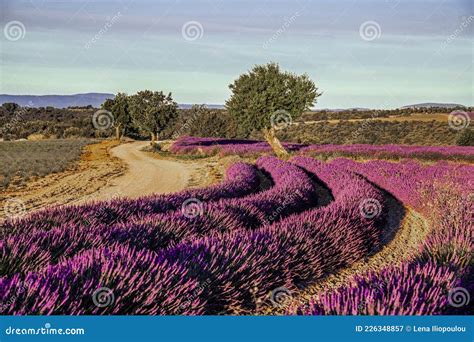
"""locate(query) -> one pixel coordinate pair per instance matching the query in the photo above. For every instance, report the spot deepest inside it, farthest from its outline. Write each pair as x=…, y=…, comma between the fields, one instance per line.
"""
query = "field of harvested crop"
x=22, y=160
x=442, y=117
x=298, y=236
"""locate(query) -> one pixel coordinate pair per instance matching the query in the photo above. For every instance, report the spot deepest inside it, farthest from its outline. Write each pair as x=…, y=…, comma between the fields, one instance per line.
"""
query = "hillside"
x=58, y=101
x=433, y=105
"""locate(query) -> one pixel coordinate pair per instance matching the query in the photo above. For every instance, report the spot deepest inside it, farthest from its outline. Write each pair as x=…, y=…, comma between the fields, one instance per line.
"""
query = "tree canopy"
x=266, y=94
x=151, y=111
x=119, y=107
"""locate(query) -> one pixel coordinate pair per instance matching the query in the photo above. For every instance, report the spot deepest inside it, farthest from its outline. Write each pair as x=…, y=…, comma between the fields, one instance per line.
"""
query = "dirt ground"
x=106, y=170
x=94, y=170
x=147, y=173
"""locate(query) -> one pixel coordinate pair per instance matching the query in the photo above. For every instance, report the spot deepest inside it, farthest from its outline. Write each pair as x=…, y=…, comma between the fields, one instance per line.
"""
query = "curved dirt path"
x=146, y=175
x=107, y=170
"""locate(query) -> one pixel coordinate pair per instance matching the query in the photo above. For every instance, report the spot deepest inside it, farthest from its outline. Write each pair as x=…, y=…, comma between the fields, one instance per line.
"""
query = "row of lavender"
x=438, y=281
x=31, y=247
x=241, y=179
x=201, y=272
x=211, y=146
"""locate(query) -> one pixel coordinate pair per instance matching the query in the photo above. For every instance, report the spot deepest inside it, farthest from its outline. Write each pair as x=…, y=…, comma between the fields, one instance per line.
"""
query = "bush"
x=371, y=132
x=466, y=138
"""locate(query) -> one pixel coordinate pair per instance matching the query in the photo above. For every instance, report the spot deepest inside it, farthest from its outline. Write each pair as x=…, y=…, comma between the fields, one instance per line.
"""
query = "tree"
x=10, y=107
x=119, y=108
x=205, y=122
x=466, y=138
x=268, y=99
x=151, y=111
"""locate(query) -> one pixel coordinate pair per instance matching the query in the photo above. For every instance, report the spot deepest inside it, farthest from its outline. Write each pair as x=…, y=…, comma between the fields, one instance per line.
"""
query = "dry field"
x=442, y=117
x=22, y=160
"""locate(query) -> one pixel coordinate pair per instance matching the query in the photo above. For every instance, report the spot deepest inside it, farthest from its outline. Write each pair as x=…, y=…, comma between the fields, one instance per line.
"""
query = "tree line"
x=264, y=102
x=264, y=99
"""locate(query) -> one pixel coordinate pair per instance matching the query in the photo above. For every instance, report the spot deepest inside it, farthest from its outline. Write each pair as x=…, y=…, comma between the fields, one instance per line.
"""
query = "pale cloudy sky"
x=361, y=53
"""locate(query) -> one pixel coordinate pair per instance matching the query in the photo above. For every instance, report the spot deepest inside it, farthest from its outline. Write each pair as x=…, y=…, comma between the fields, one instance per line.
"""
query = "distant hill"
x=58, y=101
x=212, y=106
x=64, y=101
x=357, y=109
x=96, y=99
x=432, y=104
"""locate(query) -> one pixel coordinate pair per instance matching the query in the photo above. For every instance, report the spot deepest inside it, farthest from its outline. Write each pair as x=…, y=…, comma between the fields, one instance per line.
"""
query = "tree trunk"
x=275, y=144
x=153, y=138
x=117, y=132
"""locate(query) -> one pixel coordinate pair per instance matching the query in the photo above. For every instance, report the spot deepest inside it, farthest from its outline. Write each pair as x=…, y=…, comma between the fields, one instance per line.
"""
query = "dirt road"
x=107, y=170
x=146, y=175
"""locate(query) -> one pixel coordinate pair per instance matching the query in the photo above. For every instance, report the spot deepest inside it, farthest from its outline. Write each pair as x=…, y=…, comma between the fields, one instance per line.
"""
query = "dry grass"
x=443, y=117
x=95, y=169
x=22, y=160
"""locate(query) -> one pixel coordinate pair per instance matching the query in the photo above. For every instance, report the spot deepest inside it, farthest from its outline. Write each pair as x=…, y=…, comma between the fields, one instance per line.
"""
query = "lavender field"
x=265, y=240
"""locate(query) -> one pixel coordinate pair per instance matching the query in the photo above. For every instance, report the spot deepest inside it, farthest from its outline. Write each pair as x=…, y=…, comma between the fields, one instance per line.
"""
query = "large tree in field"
x=119, y=108
x=152, y=111
x=268, y=99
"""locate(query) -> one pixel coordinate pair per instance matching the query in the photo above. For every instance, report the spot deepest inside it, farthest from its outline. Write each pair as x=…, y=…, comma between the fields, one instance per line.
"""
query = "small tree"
x=205, y=122
x=119, y=109
x=10, y=107
x=466, y=138
x=151, y=111
x=268, y=99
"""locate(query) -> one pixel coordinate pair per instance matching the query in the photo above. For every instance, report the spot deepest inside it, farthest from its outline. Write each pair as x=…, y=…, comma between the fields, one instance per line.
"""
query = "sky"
x=360, y=53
